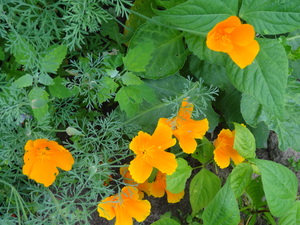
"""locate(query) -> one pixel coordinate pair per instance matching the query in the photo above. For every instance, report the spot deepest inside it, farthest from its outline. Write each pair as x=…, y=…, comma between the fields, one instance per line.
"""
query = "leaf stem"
x=57, y=206
x=293, y=38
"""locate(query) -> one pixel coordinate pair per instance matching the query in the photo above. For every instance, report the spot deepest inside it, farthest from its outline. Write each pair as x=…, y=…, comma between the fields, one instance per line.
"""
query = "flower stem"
x=57, y=206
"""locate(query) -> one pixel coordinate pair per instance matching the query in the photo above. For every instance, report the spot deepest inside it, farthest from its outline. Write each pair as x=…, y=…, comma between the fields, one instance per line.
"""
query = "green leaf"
x=271, y=17
x=223, y=209
x=130, y=97
x=53, y=58
x=2, y=55
x=138, y=57
x=108, y=88
x=266, y=78
x=130, y=79
x=280, y=186
x=204, y=151
x=169, y=52
x=244, y=141
x=39, y=99
x=177, y=181
x=199, y=16
x=256, y=193
x=292, y=216
x=203, y=188
x=240, y=177
x=24, y=81
x=59, y=90
x=45, y=79
x=166, y=221
x=197, y=45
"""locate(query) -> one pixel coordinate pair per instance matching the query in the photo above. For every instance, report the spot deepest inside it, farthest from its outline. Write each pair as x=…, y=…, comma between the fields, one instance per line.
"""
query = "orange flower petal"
x=244, y=55
x=157, y=188
x=243, y=35
x=222, y=159
x=105, y=208
x=163, y=161
x=174, y=198
x=122, y=217
x=162, y=137
x=138, y=209
x=63, y=158
x=139, y=169
x=41, y=172
x=139, y=142
x=188, y=144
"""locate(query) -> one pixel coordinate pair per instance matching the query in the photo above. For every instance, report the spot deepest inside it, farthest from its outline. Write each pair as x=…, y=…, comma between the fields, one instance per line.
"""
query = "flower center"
x=44, y=153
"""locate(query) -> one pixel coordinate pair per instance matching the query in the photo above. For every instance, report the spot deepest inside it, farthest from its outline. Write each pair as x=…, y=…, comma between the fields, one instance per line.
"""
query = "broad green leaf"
x=59, y=90
x=199, y=16
x=288, y=128
x=197, y=45
x=223, y=209
x=280, y=186
x=169, y=3
x=45, y=79
x=169, y=52
x=266, y=78
x=108, y=88
x=177, y=181
x=261, y=134
x=24, y=81
x=244, y=141
x=271, y=17
x=203, y=188
x=130, y=79
x=138, y=58
x=53, y=58
x=204, y=151
x=292, y=216
x=165, y=221
x=130, y=98
x=256, y=193
x=39, y=99
x=240, y=177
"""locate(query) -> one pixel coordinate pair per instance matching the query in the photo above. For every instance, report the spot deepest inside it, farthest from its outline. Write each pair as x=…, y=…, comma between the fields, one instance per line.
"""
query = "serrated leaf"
x=131, y=79
x=138, y=57
x=292, y=216
x=204, y=151
x=24, y=81
x=108, y=88
x=59, y=90
x=240, y=177
x=280, y=186
x=271, y=17
x=45, y=79
x=199, y=16
x=166, y=221
x=169, y=51
x=39, y=99
x=53, y=58
x=244, y=141
x=266, y=78
x=223, y=209
x=177, y=181
x=203, y=188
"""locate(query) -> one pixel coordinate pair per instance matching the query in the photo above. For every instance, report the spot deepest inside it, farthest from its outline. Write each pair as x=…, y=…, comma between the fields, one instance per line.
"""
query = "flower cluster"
x=151, y=156
x=235, y=39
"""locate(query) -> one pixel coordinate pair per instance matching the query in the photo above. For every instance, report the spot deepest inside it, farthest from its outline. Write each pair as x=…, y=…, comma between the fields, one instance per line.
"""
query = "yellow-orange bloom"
x=158, y=188
x=235, y=39
x=150, y=152
x=224, y=150
x=124, y=206
x=185, y=129
x=42, y=158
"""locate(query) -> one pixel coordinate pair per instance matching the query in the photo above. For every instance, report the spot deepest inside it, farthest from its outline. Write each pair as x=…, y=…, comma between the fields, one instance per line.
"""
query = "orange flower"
x=185, y=129
x=235, y=39
x=150, y=152
x=158, y=188
x=124, y=206
x=224, y=149
x=143, y=187
x=42, y=157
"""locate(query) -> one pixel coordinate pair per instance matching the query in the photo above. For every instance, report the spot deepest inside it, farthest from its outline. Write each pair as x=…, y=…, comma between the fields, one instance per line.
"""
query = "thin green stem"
x=293, y=38
x=57, y=205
